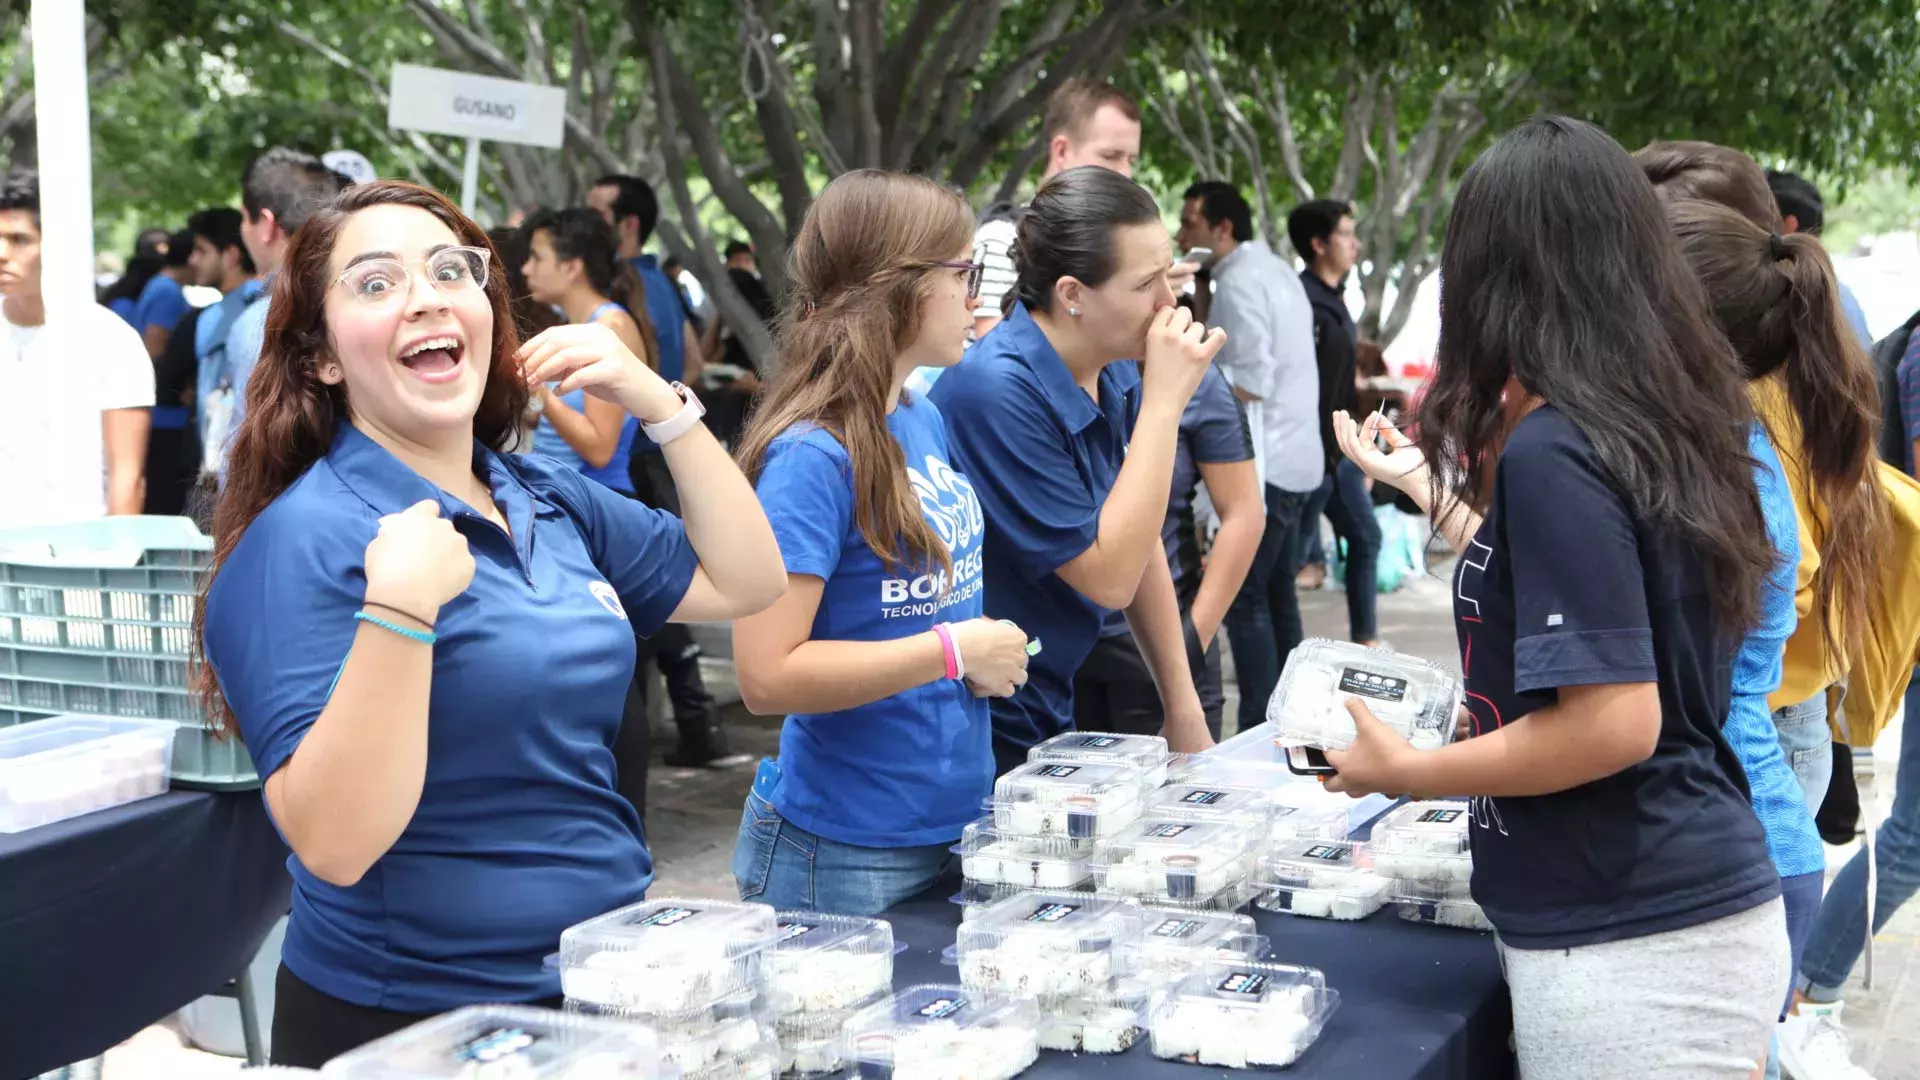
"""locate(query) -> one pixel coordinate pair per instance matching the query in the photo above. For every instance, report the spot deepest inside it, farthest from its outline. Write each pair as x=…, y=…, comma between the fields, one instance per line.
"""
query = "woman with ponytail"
x=878, y=655
x=426, y=643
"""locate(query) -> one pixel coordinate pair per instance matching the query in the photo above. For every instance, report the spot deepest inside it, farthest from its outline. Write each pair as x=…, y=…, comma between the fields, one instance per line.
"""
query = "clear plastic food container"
x=987, y=857
x=65, y=766
x=1322, y=879
x=498, y=1042
x=1108, y=1021
x=1427, y=840
x=1047, y=945
x=1173, y=942
x=1210, y=802
x=665, y=956
x=1439, y=902
x=822, y=963
x=1148, y=753
x=1417, y=698
x=943, y=1033
x=1169, y=860
x=1060, y=798
x=810, y=1042
x=761, y=1061
x=1238, y=1015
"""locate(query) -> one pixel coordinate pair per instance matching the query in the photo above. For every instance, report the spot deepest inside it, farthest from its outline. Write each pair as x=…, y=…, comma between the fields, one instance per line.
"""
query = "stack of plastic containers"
x=689, y=969
x=1148, y=753
x=942, y=1033
x=65, y=766
x=1241, y=1014
x=1072, y=953
x=1057, y=799
x=990, y=857
x=1424, y=848
x=821, y=971
x=491, y=1042
x=1206, y=865
x=1416, y=698
x=1324, y=879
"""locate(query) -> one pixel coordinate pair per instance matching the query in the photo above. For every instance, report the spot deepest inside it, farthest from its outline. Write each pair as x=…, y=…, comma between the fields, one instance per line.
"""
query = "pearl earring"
x=1074, y=311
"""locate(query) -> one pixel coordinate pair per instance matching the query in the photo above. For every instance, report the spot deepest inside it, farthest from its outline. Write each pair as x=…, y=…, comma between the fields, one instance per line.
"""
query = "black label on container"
x=1177, y=928
x=794, y=930
x=1167, y=830
x=941, y=1008
x=666, y=917
x=1203, y=798
x=496, y=1045
x=1058, y=770
x=1051, y=913
x=1249, y=983
x=1441, y=816
x=1097, y=742
x=1368, y=684
x=1326, y=852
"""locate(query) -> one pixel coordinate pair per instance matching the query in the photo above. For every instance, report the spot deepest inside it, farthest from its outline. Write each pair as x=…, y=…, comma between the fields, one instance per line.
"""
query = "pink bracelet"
x=947, y=649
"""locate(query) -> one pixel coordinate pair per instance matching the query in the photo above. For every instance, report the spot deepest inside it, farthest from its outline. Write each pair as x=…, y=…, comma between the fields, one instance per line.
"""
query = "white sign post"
x=66, y=156
x=476, y=107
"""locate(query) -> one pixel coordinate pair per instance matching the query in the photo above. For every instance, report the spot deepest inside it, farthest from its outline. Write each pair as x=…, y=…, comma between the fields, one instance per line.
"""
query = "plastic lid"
x=682, y=930
x=1428, y=827
x=987, y=857
x=1323, y=879
x=1059, y=798
x=943, y=1030
x=800, y=933
x=1173, y=940
x=1178, y=860
x=823, y=963
x=1052, y=922
x=1415, y=697
x=1147, y=753
x=521, y=1041
x=1236, y=1014
x=1205, y=801
x=984, y=831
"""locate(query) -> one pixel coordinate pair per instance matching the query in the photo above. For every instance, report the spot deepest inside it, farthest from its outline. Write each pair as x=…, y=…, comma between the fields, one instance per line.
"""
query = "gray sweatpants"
x=1694, y=1004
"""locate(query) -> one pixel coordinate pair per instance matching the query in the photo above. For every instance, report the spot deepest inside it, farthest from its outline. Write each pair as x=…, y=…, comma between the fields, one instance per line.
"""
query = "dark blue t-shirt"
x=1042, y=455
x=163, y=303
x=914, y=768
x=1213, y=431
x=520, y=831
x=1565, y=586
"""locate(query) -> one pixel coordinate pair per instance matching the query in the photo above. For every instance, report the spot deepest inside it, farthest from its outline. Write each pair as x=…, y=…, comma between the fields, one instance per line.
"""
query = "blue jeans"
x=1344, y=498
x=1839, y=931
x=1263, y=623
x=1808, y=745
x=777, y=862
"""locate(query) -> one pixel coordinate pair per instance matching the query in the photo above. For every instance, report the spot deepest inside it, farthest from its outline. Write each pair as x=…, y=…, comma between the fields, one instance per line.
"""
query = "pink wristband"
x=947, y=650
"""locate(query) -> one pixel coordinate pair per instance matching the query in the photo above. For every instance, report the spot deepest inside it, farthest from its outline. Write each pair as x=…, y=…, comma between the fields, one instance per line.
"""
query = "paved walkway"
x=694, y=815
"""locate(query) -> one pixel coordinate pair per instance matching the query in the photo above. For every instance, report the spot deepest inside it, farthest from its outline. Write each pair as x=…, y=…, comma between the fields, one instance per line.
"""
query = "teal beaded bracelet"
x=424, y=637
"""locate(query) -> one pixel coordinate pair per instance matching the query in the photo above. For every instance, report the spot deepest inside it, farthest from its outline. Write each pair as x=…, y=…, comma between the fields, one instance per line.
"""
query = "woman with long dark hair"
x=878, y=653
x=1071, y=447
x=1593, y=418
x=425, y=643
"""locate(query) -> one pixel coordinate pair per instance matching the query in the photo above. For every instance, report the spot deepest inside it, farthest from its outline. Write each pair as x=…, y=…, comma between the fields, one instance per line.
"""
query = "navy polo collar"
x=1069, y=403
x=388, y=485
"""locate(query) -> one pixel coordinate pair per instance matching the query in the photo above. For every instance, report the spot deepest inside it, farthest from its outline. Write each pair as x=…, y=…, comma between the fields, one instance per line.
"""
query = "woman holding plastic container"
x=425, y=643
x=1070, y=446
x=878, y=653
x=1601, y=426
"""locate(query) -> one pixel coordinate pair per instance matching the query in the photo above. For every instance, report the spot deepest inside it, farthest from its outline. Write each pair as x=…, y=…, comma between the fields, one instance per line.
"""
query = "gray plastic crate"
x=96, y=617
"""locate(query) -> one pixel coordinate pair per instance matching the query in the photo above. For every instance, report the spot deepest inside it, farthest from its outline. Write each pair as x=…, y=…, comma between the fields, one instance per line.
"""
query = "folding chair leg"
x=249, y=1019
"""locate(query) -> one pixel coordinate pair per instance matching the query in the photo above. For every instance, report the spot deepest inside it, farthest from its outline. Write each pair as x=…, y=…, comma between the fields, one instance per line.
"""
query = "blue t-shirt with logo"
x=911, y=769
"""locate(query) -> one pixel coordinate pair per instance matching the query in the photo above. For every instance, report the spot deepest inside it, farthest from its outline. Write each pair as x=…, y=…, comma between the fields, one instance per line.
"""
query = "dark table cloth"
x=112, y=920
x=1416, y=1002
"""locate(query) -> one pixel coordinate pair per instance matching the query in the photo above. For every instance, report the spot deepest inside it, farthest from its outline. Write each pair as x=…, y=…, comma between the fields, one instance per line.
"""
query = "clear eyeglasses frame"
x=452, y=271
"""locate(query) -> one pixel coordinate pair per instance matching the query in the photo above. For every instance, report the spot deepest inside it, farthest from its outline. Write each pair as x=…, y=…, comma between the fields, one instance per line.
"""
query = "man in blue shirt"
x=631, y=207
x=163, y=302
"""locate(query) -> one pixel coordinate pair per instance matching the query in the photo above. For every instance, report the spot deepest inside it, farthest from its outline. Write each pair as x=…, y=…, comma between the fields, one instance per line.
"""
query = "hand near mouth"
x=591, y=357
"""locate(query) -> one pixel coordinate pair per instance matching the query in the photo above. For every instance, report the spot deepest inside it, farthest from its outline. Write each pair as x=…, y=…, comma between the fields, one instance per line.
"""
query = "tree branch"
x=779, y=127
x=459, y=39
x=416, y=140
x=902, y=59
x=971, y=32
x=866, y=34
x=1280, y=115
x=1357, y=123
x=1243, y=136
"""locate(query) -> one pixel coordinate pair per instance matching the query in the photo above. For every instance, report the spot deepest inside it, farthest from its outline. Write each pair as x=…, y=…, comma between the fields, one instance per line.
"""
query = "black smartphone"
x=1308, y=761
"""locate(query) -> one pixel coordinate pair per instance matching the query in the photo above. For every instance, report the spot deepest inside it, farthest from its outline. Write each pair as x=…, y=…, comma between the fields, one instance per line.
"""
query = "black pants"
x=311, y=1028
x=173, y=465
x=1114, y=690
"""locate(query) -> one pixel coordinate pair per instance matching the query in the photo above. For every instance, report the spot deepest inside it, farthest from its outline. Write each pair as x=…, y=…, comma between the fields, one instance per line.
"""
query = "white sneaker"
x=1813, y=1046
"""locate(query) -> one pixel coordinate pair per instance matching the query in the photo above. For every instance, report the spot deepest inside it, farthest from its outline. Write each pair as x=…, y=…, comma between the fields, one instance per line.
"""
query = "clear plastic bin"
x=1047, y=945
x=52, y=770
x=1239, y=1015
x=1174, y=942
x=943, y=1033
x=1321, y=879
x=665, y=956
x=989, y=858
x=824, y=963
x=1210, y=802
x=1109, y=1021
x=1059, y=798
x=1180, y=861
x=497, y=1041
x=1148, y=753
x=1422, y=841
x=1417, y=698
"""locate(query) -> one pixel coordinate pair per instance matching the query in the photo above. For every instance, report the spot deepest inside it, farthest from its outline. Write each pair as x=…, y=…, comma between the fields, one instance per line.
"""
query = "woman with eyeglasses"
x=425, y=643
x=878, y=654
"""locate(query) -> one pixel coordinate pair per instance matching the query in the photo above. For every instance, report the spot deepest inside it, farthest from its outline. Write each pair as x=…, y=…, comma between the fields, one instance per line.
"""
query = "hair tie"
x=1778, y=247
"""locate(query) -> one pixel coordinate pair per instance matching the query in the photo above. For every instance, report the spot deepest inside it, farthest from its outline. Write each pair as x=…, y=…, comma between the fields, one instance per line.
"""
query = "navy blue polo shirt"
x=1042, y=456
x=520, y=832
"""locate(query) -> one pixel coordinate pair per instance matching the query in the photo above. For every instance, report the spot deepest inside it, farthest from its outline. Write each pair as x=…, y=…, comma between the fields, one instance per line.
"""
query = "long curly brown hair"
x=291, y=415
